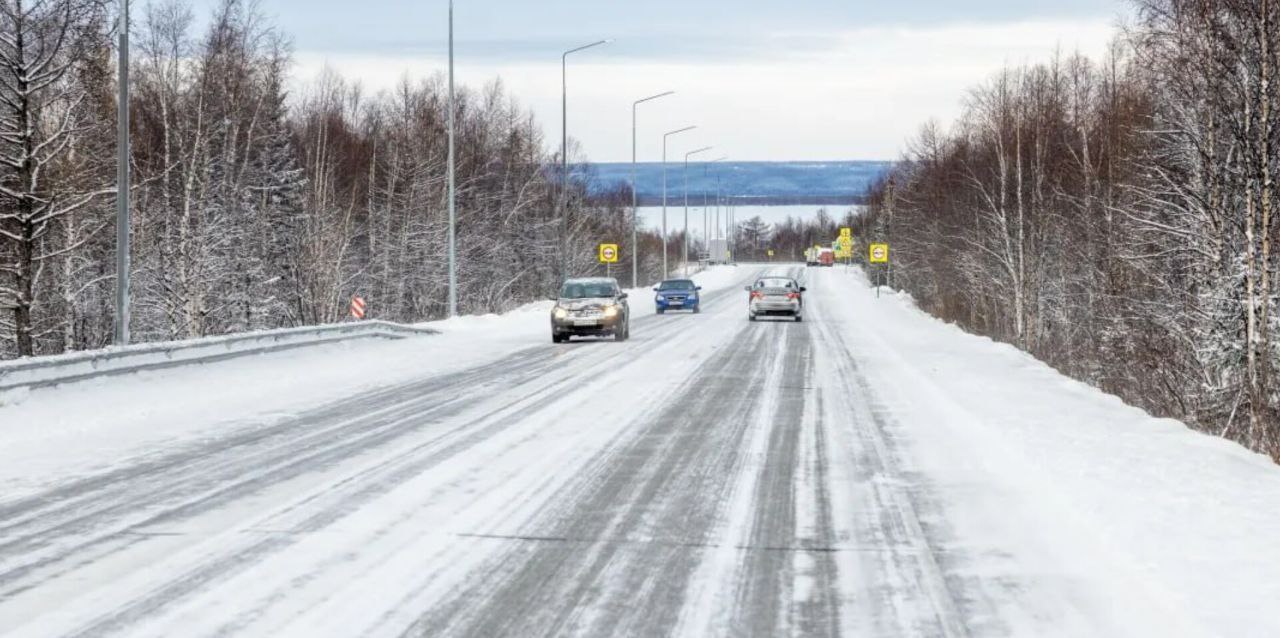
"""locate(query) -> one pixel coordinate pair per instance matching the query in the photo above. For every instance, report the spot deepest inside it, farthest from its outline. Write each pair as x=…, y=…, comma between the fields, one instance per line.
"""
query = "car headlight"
x=658, y=298
x=560, y=313
x=610, y=311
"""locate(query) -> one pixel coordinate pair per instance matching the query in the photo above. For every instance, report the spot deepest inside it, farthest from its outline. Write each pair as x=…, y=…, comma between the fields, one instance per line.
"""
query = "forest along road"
x=712, y=476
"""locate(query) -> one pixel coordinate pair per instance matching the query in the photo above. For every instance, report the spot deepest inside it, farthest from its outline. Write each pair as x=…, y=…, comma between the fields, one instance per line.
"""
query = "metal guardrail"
x=79, y=366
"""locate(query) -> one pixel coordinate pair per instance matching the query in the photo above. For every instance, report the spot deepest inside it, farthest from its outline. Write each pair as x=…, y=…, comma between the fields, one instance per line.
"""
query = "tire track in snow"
x=83, y=522
x=618, y=551
x=326, y=507
x=194, y=482
x=618, y=559
x=902, y=585
x=787, y=585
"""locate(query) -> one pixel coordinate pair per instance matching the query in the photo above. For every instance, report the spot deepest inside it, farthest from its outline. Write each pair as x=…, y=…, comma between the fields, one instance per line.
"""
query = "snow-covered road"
x=868, y=472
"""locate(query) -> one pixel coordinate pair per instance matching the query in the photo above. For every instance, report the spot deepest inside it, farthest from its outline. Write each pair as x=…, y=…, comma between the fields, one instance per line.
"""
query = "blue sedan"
x=677, y=294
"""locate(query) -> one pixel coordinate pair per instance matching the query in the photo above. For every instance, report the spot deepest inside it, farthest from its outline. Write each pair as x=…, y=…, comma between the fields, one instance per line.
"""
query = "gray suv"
x=590, y=307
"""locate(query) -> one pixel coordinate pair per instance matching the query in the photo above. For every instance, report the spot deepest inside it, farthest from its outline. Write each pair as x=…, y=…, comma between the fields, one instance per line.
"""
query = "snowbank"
x=1170, y=531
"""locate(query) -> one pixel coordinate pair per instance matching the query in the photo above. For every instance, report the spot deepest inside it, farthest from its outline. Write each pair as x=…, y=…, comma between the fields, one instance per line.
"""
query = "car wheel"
x=557, y=338
x=697, y=309
x=661, y=310
x=799, y=318
x=751, y=316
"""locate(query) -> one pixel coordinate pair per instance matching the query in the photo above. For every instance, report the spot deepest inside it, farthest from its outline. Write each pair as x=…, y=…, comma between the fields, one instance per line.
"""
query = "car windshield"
x=586, y=290
x=676, y=284
x=775, y=283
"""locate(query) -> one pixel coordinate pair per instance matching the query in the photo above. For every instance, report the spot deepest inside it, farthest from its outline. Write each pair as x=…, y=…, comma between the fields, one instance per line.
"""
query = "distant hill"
x=755, y=182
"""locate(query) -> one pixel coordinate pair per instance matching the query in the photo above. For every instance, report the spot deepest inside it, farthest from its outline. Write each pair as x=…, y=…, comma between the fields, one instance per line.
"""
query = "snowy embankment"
x=1167, y=530
x=51, y=434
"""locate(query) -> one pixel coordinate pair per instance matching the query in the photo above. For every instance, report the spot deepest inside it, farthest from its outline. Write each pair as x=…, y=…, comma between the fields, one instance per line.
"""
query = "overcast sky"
x=762, y=79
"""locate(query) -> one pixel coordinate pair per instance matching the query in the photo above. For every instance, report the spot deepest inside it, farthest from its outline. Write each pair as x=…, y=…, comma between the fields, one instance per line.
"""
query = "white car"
x=775, y=296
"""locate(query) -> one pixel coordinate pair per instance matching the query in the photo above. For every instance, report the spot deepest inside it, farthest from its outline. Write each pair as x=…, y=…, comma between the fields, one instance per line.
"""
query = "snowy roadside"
x=1165, y=530
x=51, y=435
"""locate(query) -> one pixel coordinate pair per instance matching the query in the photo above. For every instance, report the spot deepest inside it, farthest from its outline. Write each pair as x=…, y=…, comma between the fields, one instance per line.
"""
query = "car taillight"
x=756, y=294
x=793, y=295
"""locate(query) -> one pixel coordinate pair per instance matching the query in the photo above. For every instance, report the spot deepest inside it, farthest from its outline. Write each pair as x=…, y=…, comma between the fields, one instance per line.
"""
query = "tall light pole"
x=122, y=183
x=719, y=229
x=706, y=217
x=564, y=152
x=686, y=200
x=635, y=211
x=453, y=216
x=664, y=193
x=731, y=226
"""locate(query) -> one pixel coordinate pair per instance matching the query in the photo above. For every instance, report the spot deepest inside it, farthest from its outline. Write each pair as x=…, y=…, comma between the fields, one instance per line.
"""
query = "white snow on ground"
x=1075, y=514
x=1165, y=530
x=50, y=435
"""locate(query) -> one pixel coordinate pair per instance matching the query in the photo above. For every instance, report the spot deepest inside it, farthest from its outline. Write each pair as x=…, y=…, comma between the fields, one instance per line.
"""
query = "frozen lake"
x=651, y=216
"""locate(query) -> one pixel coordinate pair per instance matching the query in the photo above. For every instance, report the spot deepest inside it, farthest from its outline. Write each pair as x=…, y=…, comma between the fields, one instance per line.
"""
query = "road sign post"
x=878, y=254
x=608, y=255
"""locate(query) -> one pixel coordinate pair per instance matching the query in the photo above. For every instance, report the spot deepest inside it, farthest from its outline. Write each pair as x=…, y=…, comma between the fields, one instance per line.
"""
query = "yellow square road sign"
x=844, y=247
x=846, y=232
x=608, y=253
x=878, y=253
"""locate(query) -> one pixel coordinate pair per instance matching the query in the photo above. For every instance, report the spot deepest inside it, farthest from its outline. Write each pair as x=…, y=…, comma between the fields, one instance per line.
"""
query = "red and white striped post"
x=357, y=308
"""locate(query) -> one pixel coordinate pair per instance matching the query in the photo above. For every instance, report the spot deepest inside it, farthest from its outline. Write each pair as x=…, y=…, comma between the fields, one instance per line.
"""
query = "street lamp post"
x=686, y=200
x=635, y=211
x=731, y=219
x=720, y=234
x=707, y=230
x=122, y=183
x=453, y=217
x=664, y=193
x=564, y=152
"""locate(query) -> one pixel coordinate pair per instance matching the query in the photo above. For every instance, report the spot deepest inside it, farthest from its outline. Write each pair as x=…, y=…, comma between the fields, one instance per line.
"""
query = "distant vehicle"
x=677, y=294
x=826, y=257
x=775, y=296
x=591, y=307
x=811, y=256
x=718, y=251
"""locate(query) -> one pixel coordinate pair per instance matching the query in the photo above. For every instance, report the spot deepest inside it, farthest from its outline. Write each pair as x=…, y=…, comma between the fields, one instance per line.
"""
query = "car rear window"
x=574, y=290
x=775, y=283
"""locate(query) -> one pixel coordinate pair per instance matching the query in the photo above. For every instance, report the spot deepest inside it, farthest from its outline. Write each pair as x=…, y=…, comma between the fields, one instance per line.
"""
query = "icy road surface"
x=868, y=472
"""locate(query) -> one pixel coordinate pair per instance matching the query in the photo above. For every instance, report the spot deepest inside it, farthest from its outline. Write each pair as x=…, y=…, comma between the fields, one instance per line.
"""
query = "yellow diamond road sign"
x=879, y=253
x=608, y=253
x=846, y=232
